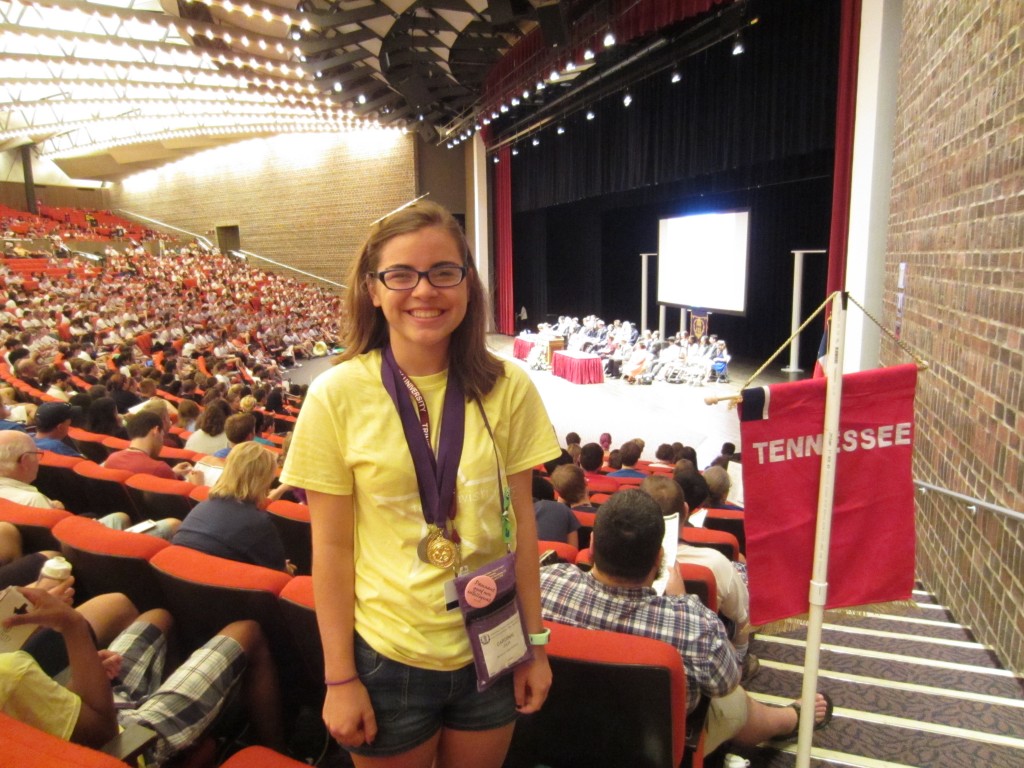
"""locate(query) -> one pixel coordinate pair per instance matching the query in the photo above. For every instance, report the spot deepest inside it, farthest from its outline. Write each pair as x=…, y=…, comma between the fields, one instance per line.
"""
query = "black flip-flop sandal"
x=795, y=733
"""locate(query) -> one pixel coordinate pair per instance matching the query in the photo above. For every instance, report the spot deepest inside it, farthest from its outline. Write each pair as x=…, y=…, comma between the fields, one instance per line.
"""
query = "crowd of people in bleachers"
x=642, y=357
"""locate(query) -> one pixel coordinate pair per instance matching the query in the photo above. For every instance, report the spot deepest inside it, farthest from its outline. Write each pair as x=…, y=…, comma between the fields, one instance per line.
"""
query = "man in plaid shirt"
x=617, y=596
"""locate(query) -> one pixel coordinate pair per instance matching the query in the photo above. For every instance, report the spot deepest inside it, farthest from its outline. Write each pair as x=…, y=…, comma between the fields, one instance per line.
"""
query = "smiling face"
x=422, y=320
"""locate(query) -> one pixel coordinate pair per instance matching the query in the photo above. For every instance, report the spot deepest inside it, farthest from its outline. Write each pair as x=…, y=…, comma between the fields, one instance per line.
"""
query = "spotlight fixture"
x=496, y=160
x=737, y=45
x=553, y=77
x=676, y=77
x=627, y=99
x=526, y=94
x=515, y=151
x=296, y=35
x=515, y=101
x=536, y=142
x=503, y=108
x=590, y=114
x=609, y=40
x=494, y=115
x=588, y=55
x=540, y=85
x=337, y=86
x=560, y=130
x=362, y=98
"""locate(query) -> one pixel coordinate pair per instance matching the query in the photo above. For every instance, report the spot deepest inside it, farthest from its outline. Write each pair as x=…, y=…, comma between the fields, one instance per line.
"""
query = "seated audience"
x=719, y=485
x=188, y=414
x=239, y=428
x=209, y=435
x=231, y=522
x=146, y=440
x=555, y=521
x=103, y=419
x=53, y=420
x=733, y=598
x=571, y=485
x=629, y=455
x=122, y=685
x=617, y=595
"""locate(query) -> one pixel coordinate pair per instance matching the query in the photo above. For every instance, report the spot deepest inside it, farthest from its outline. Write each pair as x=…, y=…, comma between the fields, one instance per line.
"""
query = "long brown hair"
x=469, y=360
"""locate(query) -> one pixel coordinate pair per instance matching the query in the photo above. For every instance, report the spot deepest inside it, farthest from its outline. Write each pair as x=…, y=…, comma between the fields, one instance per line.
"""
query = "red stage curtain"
x=504, y=306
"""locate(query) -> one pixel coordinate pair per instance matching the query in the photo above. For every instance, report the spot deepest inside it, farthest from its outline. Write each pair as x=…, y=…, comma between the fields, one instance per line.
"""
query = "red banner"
x=871, y=557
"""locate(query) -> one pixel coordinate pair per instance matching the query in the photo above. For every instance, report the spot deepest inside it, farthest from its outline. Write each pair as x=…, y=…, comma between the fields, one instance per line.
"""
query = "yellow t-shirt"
x=349, y=441
x=31, y=696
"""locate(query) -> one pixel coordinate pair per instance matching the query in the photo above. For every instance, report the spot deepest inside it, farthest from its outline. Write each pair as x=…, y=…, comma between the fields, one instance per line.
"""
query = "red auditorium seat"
x=299, y=610
x=35, y=524
x=56, y=478
x=38, y=749
x=730, y=521
x=260, y=757
x=724, y=542
x=566, y=552
x=157, y=497
x=602, y=484
x=105, y=560
x=103, y=490
x=89, y=444
x=586, y=521
x=700, y=581
x=292, y=522
x=615, y=699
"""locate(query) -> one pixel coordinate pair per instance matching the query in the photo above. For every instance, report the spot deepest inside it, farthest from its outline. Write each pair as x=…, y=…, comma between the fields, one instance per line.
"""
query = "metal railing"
x=971, y=502
x=198, y=238
x=289, y=267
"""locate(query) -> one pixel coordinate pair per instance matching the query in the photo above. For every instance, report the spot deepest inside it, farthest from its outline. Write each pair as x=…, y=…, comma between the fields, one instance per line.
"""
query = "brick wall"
x=957, y=222
x=304, y=200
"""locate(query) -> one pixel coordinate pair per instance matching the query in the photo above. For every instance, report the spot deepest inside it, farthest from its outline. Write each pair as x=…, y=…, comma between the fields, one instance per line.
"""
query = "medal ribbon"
x=435, y=476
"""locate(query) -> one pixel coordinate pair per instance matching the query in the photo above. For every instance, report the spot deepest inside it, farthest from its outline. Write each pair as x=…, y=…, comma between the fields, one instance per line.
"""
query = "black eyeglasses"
x=405, y=279
x=30, y=453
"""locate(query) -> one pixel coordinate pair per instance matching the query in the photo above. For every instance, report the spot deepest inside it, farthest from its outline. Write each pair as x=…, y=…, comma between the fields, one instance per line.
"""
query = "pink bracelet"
x=342, y=682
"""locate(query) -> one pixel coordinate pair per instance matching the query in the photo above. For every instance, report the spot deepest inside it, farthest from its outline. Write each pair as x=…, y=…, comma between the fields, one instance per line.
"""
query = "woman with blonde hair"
x=231, y=522
x=390, y=535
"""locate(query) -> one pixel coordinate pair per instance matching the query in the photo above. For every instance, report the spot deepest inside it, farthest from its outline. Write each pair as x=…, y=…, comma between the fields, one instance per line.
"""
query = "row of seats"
x=638, y=683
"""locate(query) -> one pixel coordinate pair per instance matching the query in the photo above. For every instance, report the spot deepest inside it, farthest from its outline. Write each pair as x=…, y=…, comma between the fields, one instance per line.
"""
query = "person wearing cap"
x=52, y=423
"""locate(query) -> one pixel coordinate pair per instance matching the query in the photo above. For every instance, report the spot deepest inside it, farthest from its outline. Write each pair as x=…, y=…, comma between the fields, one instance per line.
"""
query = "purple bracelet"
x=341, y=682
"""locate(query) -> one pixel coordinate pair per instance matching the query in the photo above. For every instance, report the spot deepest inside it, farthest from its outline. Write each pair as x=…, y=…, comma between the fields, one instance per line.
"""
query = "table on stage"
x=577, y=367
x=521, y=347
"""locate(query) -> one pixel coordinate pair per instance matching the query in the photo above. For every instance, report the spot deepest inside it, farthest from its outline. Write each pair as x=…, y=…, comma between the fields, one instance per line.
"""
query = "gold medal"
x=440, y=551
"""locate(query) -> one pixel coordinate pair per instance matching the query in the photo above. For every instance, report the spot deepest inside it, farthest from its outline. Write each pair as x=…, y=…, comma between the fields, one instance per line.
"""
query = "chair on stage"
x=730, y=521
x=157, y=497
x=615, y=700
x=102, y=491
x=105, y=560
x=566, y=553
x=293, y=526
x=56, y=480
x=35, y=524
x=722, y=541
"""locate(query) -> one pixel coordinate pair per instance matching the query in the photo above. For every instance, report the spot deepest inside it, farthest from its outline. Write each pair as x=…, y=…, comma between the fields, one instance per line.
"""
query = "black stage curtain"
x=753, y=131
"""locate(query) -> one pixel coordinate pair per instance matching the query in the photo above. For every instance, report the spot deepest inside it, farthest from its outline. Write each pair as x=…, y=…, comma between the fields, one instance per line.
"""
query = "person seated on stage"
x=629, y=454
x=122, y=686
x=145, y=441
x=669, y=360
x=730, y=582
x=719, y=370
x=53, y=420
x=555, y=521
x=231, y=522
x=718, y=489
x=591, y=461
x=617, y=595
x=639, y=361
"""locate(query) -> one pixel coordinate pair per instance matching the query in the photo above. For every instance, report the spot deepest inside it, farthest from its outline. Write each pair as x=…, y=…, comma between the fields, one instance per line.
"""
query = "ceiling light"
x=590, y=114
x=494, y=115
x=296, y=35
x=627, y=99
x=515, y=101
x=676, y=77
x=515, y=151
x=535, y=142
x=503, y=108
x=526, y=94
x=362, y=98
x=588, y=55
x=609, y=40
x=337, y=87
x=560, y=130
x=496, y=160
x=554, y=75
x=571, y=66
x=540, y=85
x=737, y=45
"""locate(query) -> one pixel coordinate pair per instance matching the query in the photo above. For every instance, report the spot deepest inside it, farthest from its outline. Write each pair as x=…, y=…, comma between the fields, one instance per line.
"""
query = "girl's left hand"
x=532, y=682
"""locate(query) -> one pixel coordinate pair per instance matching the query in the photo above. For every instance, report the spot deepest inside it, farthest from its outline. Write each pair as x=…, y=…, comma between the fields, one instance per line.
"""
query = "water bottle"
x=54, y=571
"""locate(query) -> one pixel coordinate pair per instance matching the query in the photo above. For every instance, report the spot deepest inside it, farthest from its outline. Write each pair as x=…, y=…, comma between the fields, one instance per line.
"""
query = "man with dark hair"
x=695, y=487
x=733, y=598
x=573, y=438
x=617, y=595
x=146, y=436
x=53, y=420
x=591, y=461
x=240, y=428
x=629, y=453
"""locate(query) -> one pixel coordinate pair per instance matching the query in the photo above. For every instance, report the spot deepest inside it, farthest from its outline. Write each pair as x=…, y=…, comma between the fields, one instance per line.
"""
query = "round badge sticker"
x=481, y=591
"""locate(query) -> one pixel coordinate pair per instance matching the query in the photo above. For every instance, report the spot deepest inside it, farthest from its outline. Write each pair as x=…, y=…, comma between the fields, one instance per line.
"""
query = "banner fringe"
x=840, y=616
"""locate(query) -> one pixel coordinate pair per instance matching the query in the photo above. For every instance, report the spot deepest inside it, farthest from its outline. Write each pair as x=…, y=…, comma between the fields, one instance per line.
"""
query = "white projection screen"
x=702, y=261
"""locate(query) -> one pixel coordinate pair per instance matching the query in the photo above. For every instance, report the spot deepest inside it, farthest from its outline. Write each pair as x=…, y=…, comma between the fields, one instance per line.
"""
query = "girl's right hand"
x=348, y=714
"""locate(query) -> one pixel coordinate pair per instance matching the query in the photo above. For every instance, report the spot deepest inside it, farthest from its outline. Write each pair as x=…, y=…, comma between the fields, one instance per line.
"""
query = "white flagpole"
x=826, y=487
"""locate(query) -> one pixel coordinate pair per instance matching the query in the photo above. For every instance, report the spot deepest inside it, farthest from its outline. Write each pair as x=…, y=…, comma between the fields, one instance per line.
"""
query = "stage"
x=659, y=413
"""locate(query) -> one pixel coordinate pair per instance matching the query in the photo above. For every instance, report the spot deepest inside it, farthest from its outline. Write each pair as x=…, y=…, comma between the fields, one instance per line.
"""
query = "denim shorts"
x=412, y=704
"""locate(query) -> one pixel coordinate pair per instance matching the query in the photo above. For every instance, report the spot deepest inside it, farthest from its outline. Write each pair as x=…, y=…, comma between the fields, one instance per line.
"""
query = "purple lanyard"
x=434, y=476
